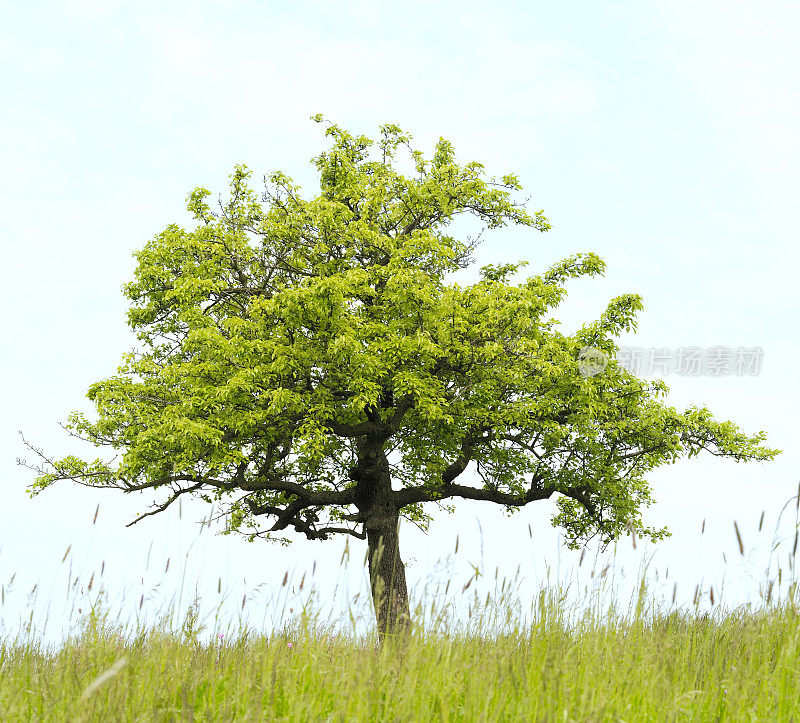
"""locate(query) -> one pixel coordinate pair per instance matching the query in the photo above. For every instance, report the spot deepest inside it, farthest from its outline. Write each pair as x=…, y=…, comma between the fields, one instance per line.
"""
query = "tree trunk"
x=387, y=573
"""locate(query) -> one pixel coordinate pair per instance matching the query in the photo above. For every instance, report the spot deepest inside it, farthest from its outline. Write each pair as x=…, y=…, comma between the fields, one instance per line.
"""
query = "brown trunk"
x=387, y=573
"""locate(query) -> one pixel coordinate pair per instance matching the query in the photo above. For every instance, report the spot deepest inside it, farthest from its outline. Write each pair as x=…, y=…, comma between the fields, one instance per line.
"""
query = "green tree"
x=290, y=346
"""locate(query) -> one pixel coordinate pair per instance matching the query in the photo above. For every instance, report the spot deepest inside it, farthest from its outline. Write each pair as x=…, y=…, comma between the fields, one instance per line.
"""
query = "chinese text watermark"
x=687, y=361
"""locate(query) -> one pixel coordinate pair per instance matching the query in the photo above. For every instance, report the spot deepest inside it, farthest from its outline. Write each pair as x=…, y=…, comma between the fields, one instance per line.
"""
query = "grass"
x=648, y=665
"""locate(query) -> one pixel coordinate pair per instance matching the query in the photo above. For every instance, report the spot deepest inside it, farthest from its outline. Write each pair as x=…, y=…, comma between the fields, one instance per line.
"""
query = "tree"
x=290, y=346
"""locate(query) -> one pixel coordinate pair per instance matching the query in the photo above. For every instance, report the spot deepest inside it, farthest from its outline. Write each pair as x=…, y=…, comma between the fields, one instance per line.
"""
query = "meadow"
x=647, y=664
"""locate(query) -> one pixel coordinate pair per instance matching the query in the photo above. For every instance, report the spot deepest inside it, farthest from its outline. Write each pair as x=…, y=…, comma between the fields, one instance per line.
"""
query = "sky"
x=661, y=136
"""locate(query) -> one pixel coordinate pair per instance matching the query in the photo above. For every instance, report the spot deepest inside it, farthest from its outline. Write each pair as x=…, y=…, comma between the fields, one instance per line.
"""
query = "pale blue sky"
x=662, y=136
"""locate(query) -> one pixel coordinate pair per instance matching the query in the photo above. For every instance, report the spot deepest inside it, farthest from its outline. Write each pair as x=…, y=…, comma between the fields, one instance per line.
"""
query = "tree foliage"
x=286, y=342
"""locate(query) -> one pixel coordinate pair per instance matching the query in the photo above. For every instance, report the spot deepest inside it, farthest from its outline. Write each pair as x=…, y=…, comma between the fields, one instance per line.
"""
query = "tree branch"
x=413, y=495
x=290, y=516
x=352, y=430
x=162, y=507
x=400, y=410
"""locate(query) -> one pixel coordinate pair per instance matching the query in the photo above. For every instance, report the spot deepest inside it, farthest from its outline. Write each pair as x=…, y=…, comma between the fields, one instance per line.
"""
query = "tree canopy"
x=290, y=347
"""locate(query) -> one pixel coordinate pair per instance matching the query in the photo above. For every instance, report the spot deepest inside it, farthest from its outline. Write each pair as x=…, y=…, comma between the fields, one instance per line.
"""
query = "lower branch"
x=162, y=507
x=412, y=495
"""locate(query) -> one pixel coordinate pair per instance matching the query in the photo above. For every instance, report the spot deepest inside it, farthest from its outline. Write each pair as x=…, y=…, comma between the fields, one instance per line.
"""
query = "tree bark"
x=376, y=506
x=387, y=575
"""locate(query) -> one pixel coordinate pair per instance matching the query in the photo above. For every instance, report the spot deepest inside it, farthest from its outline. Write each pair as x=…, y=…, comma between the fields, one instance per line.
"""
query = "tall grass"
x=603, y=665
